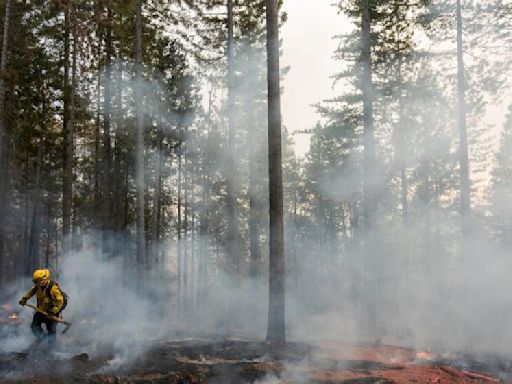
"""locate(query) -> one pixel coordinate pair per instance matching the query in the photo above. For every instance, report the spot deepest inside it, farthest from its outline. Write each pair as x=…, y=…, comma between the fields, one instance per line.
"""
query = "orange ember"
x=425, y=355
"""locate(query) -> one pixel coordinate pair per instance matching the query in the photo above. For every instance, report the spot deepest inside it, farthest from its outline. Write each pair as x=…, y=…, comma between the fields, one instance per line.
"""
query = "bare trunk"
x=118, y=149
x=403, y=261
x=185, y=227
x=401, y=146
x=97, y=191
x=67, y=198
x=23, y=245
x=3, y=66
x=369, y=177
x=232, y=235
x=465, y=198
x=48, y=233
x=66, y=204
x=203, y=220
x=4, y=187
x=155, y=223
x=139, y=161
x=276, y=302
x=254, y=246
x=117, y=201
x=180, y=262
x=193, y=252
x=106, y=161
x=33, y=242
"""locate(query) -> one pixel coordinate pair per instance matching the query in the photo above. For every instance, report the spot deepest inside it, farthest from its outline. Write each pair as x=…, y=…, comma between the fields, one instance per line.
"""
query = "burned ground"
x=241, y=361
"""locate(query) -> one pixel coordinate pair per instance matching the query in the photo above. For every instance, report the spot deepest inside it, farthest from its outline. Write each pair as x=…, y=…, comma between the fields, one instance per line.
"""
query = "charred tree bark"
x=276, y=302
x=139, y=161
x=465, y=197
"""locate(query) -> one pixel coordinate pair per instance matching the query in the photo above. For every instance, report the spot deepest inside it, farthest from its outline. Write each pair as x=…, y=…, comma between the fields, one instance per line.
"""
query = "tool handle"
x=54, y=318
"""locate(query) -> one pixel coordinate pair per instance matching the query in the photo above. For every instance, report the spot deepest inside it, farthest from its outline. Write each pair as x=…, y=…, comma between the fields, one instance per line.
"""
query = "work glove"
x=54, y=312
x=23, y=301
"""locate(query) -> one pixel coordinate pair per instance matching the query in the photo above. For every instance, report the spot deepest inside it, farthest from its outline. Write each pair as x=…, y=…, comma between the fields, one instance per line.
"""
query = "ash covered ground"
x=207, y=359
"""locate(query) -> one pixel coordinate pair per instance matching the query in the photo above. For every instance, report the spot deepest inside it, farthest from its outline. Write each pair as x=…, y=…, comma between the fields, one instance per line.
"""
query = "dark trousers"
x=51, y=327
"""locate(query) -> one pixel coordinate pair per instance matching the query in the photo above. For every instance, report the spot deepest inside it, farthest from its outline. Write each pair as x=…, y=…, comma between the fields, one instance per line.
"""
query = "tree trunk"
x=179, y=224
x=67, y=197
x=48, y=232
x=155, y=223
x=254, y=301
x=203, y=220
x=139, y=162
x=276, y=302
x=3, y=136
x=97, y=190
x=4, y=188
x=33, y=242
x=232, y=235
x=3, y=66
x=465, y=198
x=369, y=177
x=254, y=246
x=118, y=150
x=192, y=251
x=117, y=201
x=185, y=264
x=106, y=161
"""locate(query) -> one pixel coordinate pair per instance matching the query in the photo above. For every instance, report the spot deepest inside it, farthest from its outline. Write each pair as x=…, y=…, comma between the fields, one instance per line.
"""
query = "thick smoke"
x=442, y=295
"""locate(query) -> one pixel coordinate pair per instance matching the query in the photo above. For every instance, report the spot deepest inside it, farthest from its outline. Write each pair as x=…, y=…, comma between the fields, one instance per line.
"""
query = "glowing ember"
x=6, y=307
x=425, y=355
x=13, y=316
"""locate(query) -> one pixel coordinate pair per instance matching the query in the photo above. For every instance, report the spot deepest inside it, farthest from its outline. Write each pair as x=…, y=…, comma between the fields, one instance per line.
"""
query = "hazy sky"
x=308, y=46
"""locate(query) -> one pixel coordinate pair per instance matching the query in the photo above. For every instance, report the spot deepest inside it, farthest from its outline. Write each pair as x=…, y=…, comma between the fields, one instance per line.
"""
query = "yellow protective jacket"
x=49, y=302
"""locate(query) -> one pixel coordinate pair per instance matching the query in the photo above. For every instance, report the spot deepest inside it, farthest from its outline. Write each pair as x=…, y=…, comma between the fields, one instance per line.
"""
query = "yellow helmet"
x=40, y=275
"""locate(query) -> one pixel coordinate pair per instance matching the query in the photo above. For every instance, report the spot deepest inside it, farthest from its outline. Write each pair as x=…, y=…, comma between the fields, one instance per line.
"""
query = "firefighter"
x=49, y=300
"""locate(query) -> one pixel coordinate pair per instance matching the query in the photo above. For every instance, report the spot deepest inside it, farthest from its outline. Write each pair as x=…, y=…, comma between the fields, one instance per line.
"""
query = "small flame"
x=13, y=316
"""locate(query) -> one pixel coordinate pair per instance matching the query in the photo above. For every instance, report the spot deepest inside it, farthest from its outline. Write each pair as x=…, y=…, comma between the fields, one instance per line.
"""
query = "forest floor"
x=239, y=361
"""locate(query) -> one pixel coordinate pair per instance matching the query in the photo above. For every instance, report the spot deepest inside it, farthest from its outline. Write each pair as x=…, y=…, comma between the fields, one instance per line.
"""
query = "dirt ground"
x=238, y=361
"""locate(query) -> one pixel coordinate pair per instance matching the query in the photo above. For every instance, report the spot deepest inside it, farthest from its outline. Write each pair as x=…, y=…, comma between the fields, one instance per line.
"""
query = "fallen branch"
x=480, y=376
